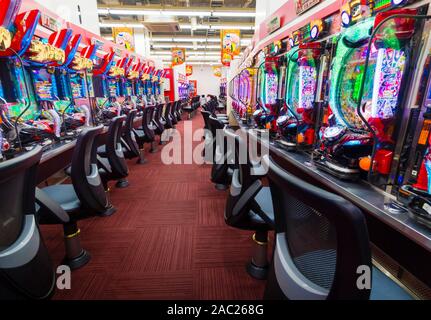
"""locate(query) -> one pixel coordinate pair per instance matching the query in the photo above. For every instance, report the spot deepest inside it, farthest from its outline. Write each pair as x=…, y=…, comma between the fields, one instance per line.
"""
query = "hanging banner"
x=231, y=41
x=178, y=56
x=217, y=71
x=226, y=59
x=189, y=70
x=124, y=37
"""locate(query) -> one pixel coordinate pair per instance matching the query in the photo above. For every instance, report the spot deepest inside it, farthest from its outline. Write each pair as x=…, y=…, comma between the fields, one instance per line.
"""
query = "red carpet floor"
x=168, y=240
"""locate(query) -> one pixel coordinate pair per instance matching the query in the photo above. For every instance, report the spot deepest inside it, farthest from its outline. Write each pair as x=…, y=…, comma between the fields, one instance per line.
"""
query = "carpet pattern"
x=168, y=240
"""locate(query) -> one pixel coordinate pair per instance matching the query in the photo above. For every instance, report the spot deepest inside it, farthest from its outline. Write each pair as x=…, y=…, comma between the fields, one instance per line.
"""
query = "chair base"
x=121, y=184
x=142, y=160
x=221, y=187
x=258, y=273
x=78, y=262
x=108, y=212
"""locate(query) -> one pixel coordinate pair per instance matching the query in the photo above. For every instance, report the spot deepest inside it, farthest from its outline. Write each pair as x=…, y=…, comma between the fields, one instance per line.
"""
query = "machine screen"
x=78, y=86
x=307, y=87
x=271, y=88
x=389, y=74
x=350, y=83
x=44, y=85
x=113, y=88
x=382, y=84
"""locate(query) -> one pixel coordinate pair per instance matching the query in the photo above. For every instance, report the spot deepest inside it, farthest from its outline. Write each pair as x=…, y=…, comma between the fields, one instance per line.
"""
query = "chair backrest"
x=147, y=118
x=26, y=270
x=129, y=137
x=206, y=116
x=167, y=115
x=245, y=186
x=321, y=240
x=114, y=148
x=85, y=173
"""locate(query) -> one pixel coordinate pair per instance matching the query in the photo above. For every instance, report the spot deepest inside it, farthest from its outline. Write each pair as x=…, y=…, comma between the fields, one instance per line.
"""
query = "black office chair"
x=221, y=173
x=321, y=243
x=249, y=204
x=173, y=114
x=158, y=125
x=146, y=134
x=84, y=198
x=112, y=164
x=222, y=117
x=26, y=269
x=167, y=121
x=130, y=146
x=178, y=111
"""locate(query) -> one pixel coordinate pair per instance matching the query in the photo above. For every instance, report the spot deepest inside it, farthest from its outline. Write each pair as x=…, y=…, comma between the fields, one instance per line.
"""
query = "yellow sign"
x=189, y=70
x=124, y=37
x=231, y=41
x=217, y=71
x=178, y=56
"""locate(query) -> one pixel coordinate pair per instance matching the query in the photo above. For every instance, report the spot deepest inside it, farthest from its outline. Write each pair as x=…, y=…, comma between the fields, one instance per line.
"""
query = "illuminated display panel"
x=271, y=92
x=307, y=87
x=350, y=83
x=44, y=85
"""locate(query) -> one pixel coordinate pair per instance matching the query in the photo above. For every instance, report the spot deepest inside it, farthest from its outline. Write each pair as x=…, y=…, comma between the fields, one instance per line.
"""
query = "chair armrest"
x=247, y=197
x=52, y=208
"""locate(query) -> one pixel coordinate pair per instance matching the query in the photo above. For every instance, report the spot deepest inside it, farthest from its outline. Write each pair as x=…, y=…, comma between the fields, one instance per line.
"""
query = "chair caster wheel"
x=121, y=184
x=221, y=187
x=256, y=272
x=109, y=212
x=78, y=262
x=142, y=161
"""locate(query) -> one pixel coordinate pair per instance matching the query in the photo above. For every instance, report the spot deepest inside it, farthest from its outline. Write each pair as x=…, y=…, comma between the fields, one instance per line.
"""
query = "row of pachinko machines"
x=353, y=90
x=54, y=83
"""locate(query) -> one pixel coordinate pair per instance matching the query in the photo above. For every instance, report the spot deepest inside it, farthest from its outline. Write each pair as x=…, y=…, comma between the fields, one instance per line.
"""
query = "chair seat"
x=101, y=151
x=385, y=288
x=264, y=200
x=65, y=196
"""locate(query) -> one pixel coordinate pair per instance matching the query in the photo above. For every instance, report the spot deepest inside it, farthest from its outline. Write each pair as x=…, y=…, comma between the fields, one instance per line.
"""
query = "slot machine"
x=9, y=10
x=306, y=69
x=269, y=84
x=105, y=93
x=129, y=87
x=74, y=85
x=365, y=96
x=27, y=71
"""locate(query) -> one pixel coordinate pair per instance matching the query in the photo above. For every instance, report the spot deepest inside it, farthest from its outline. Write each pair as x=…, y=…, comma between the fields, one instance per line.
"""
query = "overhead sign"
x=304, y=5
x=50, y=23
x=230, y=45
x=274, y=24
x=217, y=71
x=178, y=56
x=189, y=70
x=124, y=37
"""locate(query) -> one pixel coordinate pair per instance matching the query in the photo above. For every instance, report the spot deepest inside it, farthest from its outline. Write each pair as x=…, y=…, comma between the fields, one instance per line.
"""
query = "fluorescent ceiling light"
x=191, y=53
x=240, y=14
x=161, y=46
x=194, y=13
x=188, y=39
x=215, y=27
x=186, y=13
x=194, y=58
x=121, y=25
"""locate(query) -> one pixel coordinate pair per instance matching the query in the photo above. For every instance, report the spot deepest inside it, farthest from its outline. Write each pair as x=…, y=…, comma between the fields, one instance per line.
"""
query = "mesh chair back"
x=85, y=173
x=130, y=143
x=26, y=270
x=114, y=149
x=322, y=240
x=147, y=118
